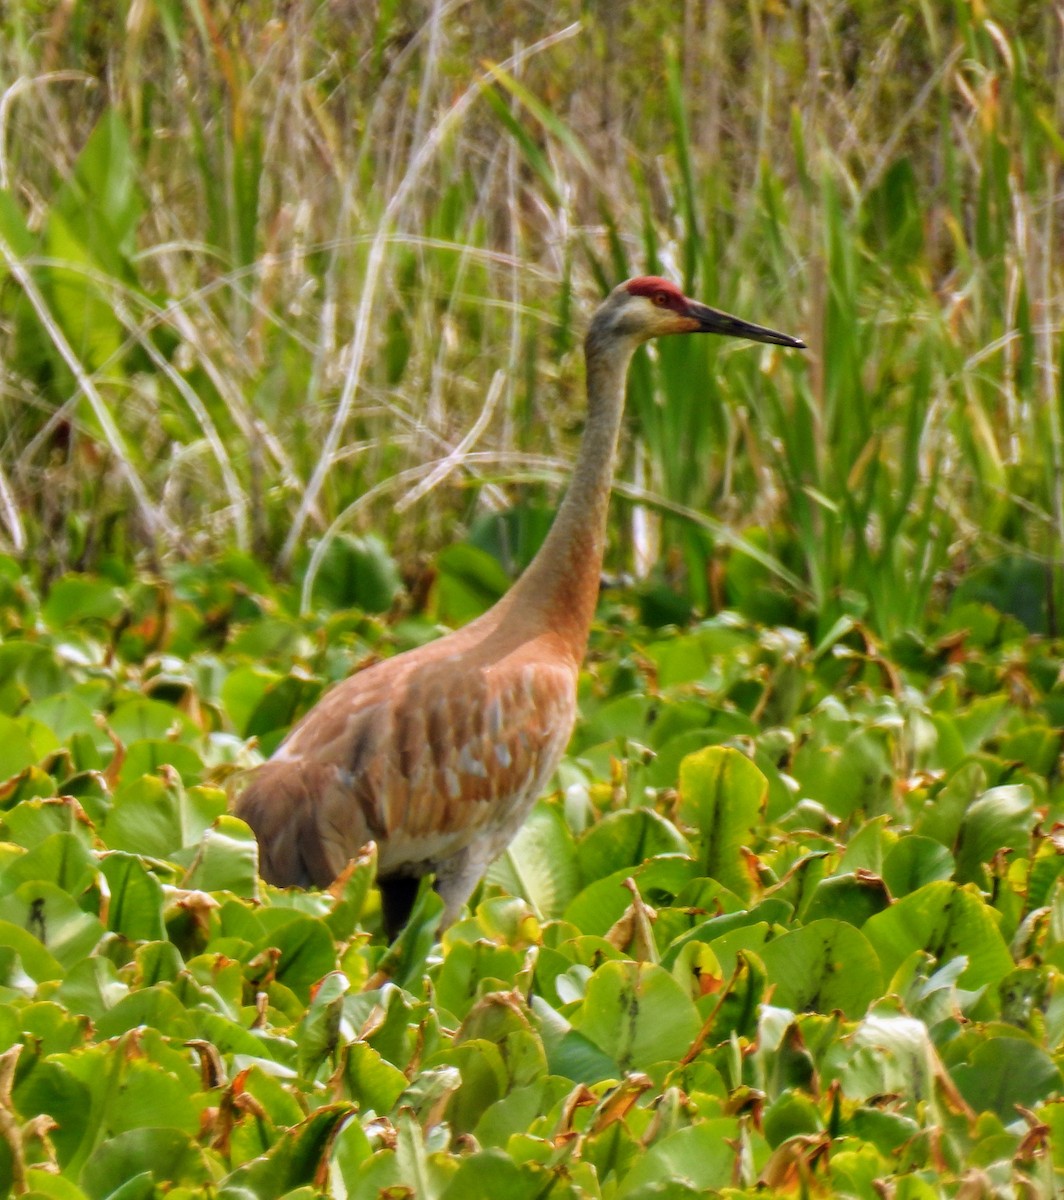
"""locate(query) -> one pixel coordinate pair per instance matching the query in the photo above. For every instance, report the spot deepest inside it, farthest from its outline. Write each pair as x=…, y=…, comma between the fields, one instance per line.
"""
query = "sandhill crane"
x=437, y=754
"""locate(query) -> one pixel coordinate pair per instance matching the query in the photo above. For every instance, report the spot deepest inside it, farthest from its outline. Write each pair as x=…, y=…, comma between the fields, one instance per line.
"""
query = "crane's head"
x=648, y=307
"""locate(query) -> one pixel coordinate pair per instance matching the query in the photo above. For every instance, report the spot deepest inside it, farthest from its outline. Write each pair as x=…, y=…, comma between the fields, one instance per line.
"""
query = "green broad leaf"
x=135, y=908
x=483, y=1081
x=941, y=817
x=32, y=783
x=51, y=1088
x=947, y=921
x=823, y=966
x=357, y=572
x=156, y=1006
x=495, y=1173
x=139, y=1187
x=280, y=1108
x=602, y=903
x=319, y=1030
x=618, y=717
x=1025, y=996
x=1036, y=746
x=61, y=858
x=76, y=598
x=540, y=863
x=146, y=756
x=169, y=1156
x=680, y=660
x=260, y=702
x=747, y=984
x=470, y=580
x=851, y=898
x=67, y=714
x=160, y=962
x=226, y=860
x=50, y=915
x=55, y=1030
x=101, y=198
x=1003, y=1072
x=371, y=1081
x=344, y=915
x=82, y=307
x=296, y=1159
x=92, y=987
x=306, y=954
x=980, y=719
x=572, y=1055
x=853, y=774
x=143, y=719
x=42, y=739
x=156, y=817
x=791, y=1114
x=521, y=1111
x=868, y=847
x=151, y=1096
x=1001, y=819
x=664, y=771
x=889, y=1132
x=888, y=1054
x=46, y=1185
x=349, y=1150
x=914, y=861
x=34, y=669
x=637, y=1014
x=16, y=750
x=271, y=637
x=92, y=792
x=723, y=794
x=242, y=692
x=32, y=821
x=702, y=1157
x=469, y=969
x=500, y=1019
x=627, y=838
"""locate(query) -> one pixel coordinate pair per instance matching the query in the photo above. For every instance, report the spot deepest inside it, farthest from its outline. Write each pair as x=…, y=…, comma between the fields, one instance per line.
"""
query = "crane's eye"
x=661, y=299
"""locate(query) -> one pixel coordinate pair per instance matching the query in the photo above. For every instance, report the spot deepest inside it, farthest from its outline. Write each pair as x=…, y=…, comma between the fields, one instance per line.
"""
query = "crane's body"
x=437, y=754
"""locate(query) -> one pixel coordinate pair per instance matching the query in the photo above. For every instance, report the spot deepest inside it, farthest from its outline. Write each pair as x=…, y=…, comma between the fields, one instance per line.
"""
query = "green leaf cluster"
x=792, y=918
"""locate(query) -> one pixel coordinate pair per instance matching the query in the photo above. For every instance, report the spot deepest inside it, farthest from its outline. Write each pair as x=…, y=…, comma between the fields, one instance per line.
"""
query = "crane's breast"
x=468, y=746
x=428, y=761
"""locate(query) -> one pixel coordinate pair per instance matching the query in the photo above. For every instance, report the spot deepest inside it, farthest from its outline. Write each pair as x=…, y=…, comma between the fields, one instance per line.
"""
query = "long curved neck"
x=559, y=589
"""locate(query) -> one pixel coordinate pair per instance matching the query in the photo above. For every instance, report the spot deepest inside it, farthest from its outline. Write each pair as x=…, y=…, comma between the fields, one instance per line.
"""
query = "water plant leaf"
x=825, y=965
x=637, y=1014
x=723, y=794
x=947, y=921
x=540, y=864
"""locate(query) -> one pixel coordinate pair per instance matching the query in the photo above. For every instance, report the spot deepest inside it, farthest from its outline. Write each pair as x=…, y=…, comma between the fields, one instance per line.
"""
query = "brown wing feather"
x=428, y=754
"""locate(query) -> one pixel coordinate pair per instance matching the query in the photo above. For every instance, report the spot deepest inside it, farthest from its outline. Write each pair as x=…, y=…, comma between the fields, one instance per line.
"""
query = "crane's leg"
x=456, y=879
x=397, y=902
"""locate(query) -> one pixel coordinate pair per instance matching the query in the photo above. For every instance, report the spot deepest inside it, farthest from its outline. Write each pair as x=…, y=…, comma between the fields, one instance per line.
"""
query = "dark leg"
x=397, y=901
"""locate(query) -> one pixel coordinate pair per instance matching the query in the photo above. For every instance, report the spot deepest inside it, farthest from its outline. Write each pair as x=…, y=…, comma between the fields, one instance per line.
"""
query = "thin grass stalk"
x=238, y=502
x=550, y=470
x=16, y=530
x=154, y=522
x=374, y=265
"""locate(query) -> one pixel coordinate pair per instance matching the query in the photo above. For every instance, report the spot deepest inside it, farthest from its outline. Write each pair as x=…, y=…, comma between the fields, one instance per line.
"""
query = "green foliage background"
x=283, y=294
x=791, y=922
x=271, y=276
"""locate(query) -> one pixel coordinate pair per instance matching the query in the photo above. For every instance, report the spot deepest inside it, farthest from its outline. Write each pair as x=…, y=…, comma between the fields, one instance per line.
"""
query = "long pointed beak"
x=711, y=320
